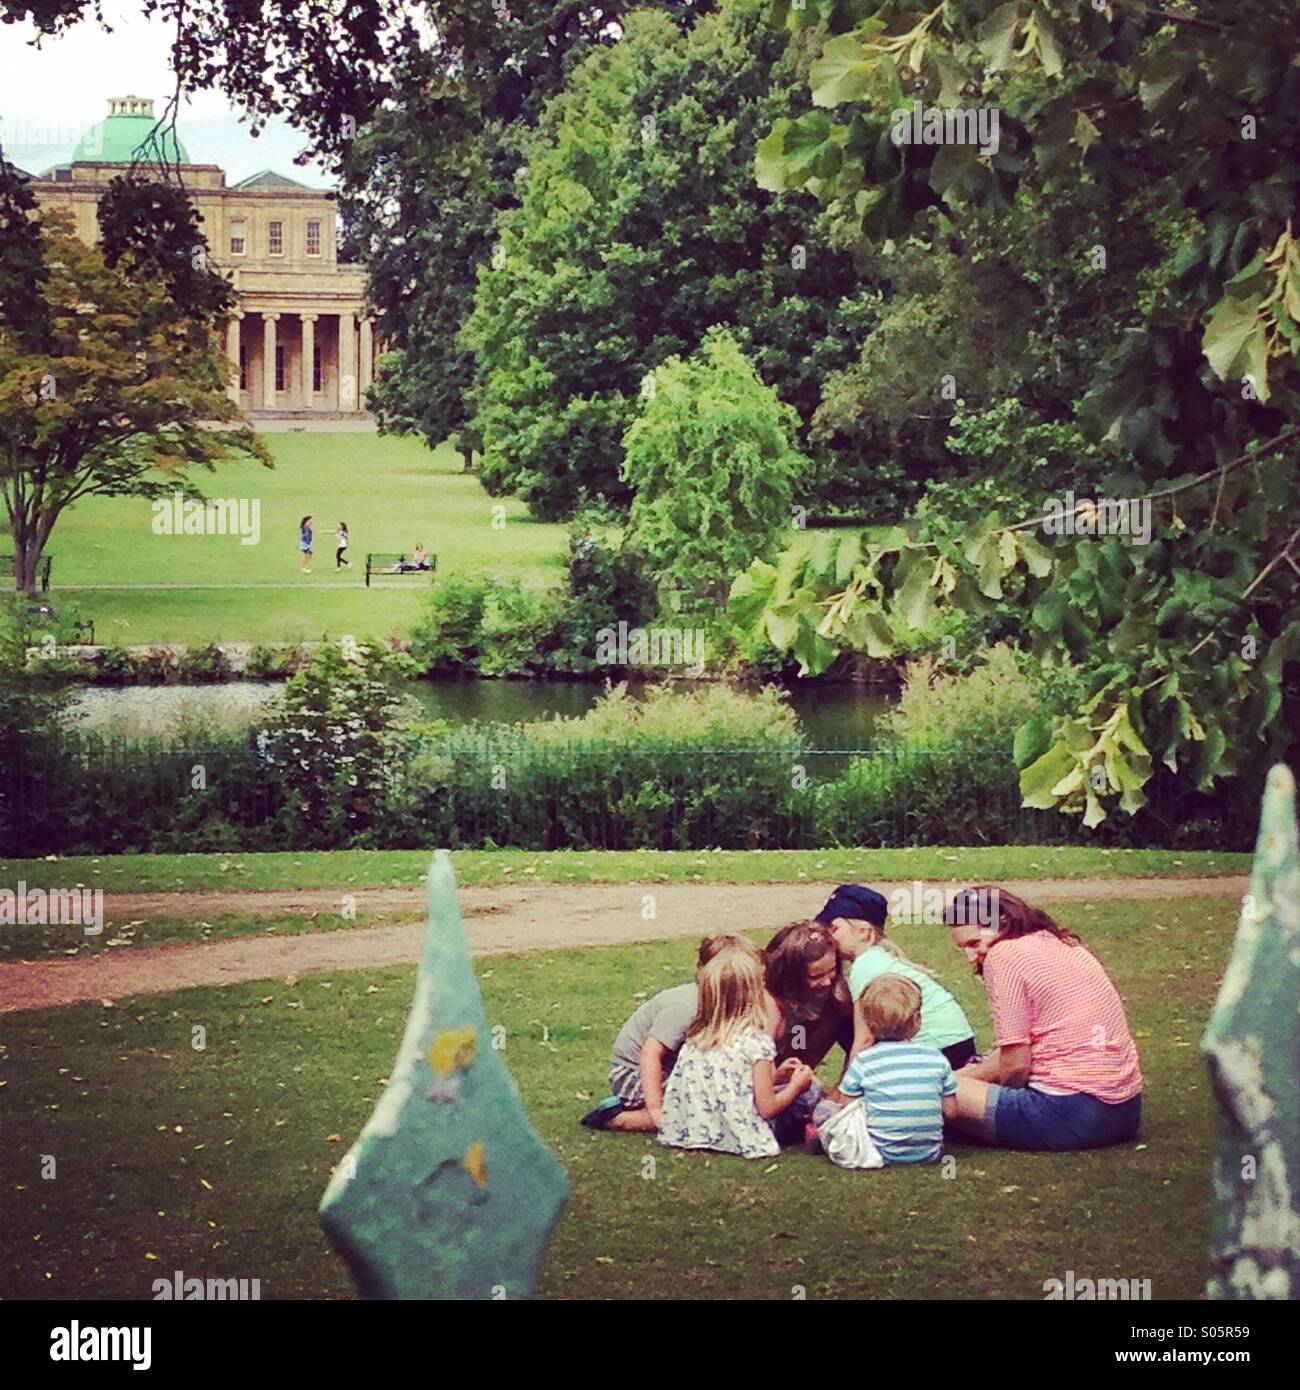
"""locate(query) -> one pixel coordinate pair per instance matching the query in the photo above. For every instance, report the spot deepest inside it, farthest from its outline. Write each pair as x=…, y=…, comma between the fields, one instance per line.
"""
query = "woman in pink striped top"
x=1065, y=1072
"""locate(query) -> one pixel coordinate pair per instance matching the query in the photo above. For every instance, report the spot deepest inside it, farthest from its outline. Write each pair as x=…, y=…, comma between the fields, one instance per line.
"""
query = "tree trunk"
x=27, y=555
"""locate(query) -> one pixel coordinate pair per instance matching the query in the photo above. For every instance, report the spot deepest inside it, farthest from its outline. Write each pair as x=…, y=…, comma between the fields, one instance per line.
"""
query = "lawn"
x=160, y=873
x=391, y=492
x=213, y=1161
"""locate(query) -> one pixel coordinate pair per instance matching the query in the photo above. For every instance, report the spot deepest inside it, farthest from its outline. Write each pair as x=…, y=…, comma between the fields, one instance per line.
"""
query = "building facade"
x=300, y=344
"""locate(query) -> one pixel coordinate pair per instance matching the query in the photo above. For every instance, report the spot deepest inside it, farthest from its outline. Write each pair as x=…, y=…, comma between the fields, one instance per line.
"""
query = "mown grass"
x=158, y=873
x=213, y=1161
x=391, y=492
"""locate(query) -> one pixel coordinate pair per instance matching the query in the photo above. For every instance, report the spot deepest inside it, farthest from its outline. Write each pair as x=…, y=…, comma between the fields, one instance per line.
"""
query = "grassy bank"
x=161, y=873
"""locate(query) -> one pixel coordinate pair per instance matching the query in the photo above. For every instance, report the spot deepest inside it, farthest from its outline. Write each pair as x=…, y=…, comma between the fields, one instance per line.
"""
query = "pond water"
x=834, y=715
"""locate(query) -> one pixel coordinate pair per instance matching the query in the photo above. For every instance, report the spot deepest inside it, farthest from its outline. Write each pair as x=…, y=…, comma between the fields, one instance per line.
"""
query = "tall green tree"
x=640, y=228
x=713, y=467
x=119, y=395
x=427, y=175
x=1186, y=640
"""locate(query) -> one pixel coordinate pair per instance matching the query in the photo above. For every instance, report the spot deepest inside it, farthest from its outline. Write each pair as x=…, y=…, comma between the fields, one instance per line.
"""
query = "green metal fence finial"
x=448, y=1193
x=1253, y=1049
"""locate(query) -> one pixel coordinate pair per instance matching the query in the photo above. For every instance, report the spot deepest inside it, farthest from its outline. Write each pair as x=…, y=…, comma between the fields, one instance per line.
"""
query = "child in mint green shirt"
x=857, y=922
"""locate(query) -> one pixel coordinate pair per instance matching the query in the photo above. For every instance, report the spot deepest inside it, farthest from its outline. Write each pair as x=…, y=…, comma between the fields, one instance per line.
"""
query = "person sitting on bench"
x=419, y=561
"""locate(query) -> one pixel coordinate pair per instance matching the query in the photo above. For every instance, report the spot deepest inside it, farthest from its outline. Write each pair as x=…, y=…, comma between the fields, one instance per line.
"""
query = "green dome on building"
x=120, y=138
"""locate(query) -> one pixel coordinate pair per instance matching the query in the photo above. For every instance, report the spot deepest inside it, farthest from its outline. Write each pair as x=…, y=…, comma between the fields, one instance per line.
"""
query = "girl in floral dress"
x=726, y=1088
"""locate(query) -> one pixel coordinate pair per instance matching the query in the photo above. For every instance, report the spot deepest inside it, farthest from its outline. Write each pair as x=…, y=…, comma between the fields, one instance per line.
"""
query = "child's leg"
x=637, y=1121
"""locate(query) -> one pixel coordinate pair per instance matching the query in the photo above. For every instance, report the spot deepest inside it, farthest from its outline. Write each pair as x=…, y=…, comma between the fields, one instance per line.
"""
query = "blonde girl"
x=645, y=1050
x=726, y=1088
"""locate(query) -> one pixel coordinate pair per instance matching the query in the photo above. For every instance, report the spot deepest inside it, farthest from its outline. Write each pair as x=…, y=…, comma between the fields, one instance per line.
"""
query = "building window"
x=275, y=239
x=243, y=367
x=315, y=369
x=313, y=238
x=236, y=238
x=279, y=368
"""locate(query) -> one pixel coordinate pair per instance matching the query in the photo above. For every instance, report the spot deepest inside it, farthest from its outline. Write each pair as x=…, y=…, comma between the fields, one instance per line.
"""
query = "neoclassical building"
x=300, y=345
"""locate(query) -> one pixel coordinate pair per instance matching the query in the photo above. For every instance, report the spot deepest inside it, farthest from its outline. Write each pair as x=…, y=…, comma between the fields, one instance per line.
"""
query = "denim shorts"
x=1019, y=1117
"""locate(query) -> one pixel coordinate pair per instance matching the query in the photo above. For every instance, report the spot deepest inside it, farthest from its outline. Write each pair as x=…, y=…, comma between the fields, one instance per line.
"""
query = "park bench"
x=397, y=564
x=9, y=567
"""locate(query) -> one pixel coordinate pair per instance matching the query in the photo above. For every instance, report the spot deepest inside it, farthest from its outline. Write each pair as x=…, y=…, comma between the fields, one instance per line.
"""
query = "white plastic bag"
x=846, y=1141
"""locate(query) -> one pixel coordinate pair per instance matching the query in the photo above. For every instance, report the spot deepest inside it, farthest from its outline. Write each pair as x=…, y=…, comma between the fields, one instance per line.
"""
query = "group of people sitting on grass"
x=727, y=1062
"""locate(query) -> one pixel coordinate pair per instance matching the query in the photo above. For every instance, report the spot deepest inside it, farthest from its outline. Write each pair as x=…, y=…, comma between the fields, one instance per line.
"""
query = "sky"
x=50, y=95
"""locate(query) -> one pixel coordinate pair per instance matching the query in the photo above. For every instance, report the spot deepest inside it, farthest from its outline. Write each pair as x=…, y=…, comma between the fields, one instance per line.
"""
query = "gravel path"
x=498, y=919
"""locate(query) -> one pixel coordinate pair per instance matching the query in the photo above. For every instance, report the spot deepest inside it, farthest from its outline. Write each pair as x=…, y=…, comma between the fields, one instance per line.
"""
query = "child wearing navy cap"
x=856, y=916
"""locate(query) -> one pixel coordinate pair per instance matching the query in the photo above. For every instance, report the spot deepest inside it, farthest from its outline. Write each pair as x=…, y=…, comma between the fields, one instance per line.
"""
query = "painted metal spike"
x=448, y=1193
x=1253, y=1049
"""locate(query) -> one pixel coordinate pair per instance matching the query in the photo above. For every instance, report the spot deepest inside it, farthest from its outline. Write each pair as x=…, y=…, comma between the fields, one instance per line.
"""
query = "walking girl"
x=341, y=544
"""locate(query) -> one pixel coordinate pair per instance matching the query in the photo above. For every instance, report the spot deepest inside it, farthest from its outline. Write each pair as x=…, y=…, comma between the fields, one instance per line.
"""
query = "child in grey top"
x=647, y=1045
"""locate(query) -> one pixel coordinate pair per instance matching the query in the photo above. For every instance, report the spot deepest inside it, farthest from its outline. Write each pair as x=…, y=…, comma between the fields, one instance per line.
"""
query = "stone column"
x=308, y=355
x=268, y=360
x=348, y=362
x=232, y=355
x=367, y=361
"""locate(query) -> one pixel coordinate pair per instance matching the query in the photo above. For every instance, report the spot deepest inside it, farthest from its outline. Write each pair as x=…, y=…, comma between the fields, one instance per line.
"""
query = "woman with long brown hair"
x=1064, y=1074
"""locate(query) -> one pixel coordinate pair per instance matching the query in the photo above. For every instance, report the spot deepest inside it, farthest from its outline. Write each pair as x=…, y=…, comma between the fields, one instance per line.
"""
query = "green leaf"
x=1085, y=133
x=847, y=555
x=809, y=150
x=990, y=569
x=843, y=72
x=781, y=627
x=823, y=554
x=813, y=652
x=868, y=630
x=1038, y=779
x=769, y=162
x=1038, y=559
x=1049, y=48
x=952, y=78
x=996, y=36
x=1235, y=341
x=1032, y=740
x=913, y=594
x=949, y=164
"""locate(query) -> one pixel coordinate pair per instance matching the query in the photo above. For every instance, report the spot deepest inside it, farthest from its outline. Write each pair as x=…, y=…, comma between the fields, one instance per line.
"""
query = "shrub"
x=115, y=667
x=447, y=637
x=518, y=630
x=938, y=709
x=329, y=739
x=204, y=665
x=712, y=713
x=270, y=662
x=607, y=584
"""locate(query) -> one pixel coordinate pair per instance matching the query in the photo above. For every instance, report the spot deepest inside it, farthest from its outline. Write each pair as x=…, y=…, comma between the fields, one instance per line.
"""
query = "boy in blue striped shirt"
x=908, y=1090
